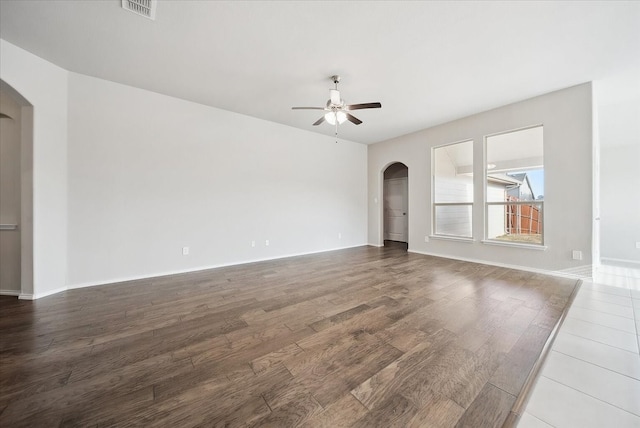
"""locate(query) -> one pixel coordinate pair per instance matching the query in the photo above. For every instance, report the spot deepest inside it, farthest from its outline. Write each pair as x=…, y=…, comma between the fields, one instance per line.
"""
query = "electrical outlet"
x=339, y=235
x=266, y=242
x=253, y=243
x=185, y=251
x=638, y=245
x=576, y=254
x=426, y=239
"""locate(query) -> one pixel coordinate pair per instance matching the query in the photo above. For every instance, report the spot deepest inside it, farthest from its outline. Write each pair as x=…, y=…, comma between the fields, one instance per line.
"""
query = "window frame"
x=487, y=204
x=435, y=204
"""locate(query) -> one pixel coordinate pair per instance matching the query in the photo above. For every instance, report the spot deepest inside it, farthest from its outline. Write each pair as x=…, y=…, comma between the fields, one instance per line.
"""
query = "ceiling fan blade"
x=319, y=121
x=307, y=108
x=351, y=118
x=361, y=106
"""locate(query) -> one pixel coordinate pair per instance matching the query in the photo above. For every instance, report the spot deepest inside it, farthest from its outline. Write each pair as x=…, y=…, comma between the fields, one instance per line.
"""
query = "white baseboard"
x=625, y=261
x=198, y=268
x=563, y=274
x=25, y=296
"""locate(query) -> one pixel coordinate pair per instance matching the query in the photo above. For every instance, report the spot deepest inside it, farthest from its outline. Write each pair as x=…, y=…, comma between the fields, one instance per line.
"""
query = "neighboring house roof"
x=520, y=177
x=503, y=179
x=512, y=181
x=523, y=178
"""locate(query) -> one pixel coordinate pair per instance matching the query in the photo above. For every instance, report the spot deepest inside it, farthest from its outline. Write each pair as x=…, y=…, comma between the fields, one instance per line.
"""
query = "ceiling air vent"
x=146, y=8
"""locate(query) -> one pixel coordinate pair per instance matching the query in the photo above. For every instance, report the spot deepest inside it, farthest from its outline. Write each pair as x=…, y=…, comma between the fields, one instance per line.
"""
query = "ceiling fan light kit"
x=337, y=111
x=335, y=116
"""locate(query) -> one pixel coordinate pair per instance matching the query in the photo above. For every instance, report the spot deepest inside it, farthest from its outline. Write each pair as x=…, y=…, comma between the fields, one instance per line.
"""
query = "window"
x=453, y=189
x=515, y=186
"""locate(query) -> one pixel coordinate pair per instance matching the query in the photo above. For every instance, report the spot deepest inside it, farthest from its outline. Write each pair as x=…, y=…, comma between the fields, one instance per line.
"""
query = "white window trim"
x=452, y=238
x=497, y=242
x=435, y=204
x=451, y=204
x=509, y=243
x=540, y=247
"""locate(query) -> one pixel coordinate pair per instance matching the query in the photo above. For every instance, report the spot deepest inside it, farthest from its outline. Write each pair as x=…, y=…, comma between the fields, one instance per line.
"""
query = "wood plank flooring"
x=359, y=337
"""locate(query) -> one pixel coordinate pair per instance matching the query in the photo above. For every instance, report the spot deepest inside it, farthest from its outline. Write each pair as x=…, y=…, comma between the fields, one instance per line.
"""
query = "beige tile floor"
x=591, y=377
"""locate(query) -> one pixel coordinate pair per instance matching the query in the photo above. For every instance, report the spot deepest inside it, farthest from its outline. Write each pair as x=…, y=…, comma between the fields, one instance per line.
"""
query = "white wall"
x=620, y=202
x=10, y=195
x=149, y=174
x=141, y=175
x=567, y=119
x=618, y=103
x=44, y=86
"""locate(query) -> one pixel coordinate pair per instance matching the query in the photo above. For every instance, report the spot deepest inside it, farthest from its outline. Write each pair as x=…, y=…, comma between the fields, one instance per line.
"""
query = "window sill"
x=514, y=245
x=451, y=238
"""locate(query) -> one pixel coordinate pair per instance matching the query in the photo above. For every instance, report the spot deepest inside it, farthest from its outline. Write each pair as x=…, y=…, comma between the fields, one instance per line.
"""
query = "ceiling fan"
x=337, y=111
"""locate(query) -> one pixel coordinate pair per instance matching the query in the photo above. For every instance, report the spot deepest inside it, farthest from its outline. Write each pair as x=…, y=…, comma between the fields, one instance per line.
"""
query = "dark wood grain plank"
x=513, y=372
x=362, y=336
x=394, y=411
x=341, y=413
x=489, y=410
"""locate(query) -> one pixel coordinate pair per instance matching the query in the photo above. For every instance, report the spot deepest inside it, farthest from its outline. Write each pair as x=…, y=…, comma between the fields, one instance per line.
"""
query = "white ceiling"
x=426, y=62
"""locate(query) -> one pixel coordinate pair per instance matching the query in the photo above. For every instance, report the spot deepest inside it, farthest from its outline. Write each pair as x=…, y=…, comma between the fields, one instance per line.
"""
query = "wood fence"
x=523, y=219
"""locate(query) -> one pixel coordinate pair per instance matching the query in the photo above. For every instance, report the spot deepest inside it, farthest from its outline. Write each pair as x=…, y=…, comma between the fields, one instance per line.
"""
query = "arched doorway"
x=395, y=197
x=16, y=189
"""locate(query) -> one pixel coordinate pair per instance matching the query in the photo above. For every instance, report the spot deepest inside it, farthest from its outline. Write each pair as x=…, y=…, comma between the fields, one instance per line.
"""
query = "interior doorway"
x=395, y=198
x=16, y=193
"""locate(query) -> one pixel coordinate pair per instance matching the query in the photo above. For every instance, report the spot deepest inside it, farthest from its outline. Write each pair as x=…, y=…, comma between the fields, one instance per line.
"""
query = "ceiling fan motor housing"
x=334, y=98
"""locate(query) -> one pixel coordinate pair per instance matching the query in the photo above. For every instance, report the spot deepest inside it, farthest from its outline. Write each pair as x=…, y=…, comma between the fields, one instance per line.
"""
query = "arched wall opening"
x=395, y=205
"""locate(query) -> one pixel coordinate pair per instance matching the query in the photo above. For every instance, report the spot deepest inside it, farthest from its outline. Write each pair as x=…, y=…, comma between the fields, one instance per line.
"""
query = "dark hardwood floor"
x=359, y=337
